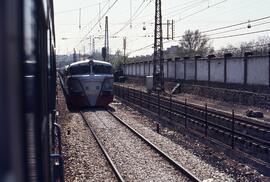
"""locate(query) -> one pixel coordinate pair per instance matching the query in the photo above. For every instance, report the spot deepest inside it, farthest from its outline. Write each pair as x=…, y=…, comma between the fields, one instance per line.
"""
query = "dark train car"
x=29, y=149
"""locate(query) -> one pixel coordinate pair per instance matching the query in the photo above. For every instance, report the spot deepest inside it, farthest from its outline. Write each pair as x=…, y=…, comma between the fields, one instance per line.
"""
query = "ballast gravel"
x=135, y=160
x=83, y=159
x=204, y=162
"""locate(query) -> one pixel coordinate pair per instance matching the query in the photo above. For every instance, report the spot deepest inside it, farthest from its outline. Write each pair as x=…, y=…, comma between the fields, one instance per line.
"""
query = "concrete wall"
x=217, y=70
x=141, y=69
x=202, y=70
x=190, y=70
x=235, y=70
x=151, y=68
x=133, y=69
x=165, y=69
x=146, y=69
x=171, y=65
x=180, y=70
x=258, y=71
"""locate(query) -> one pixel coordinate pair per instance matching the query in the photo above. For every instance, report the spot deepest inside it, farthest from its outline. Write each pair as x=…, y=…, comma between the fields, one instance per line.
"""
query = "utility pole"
x=158, y=72
x=124, y=47
x=93, y=48
x=173, y=32
x=107, y=37
x=74, y=55
x=90, y=45
x=130, y=20
x=105, y=49
x=80, y=19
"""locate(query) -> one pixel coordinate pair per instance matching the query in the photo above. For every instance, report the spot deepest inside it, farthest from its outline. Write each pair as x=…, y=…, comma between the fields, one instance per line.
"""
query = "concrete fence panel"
x=146, y=68
x=217, y=70
x=258, y=71
x=134, y=69
x=235, y=70
x=151, y=68
x=165, y=69
x=141, y=69
x=190, y=69
x=202, y=70
x=180, y=69
x=171, y=69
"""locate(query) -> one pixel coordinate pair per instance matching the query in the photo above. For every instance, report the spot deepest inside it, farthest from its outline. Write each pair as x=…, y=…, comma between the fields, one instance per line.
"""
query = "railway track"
x=117, y=167
x=245, y=136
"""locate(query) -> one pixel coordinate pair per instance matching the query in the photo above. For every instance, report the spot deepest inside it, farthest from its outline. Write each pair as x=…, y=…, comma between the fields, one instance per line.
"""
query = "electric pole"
x=94, y=48
x=124, y=47
x=74, y=55
x=105, y=49
x=158, y=72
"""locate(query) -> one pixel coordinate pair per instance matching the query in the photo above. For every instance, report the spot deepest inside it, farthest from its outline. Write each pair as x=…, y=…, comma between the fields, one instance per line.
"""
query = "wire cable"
x=84, y=37
x=134, y=14
x=242, y=23
x=76, y=9
x=237, y=35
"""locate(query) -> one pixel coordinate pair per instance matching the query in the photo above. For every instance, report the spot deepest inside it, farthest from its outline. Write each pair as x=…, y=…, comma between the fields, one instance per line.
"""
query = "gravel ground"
x=83, y=159
x=204, y=162
x=135, y=160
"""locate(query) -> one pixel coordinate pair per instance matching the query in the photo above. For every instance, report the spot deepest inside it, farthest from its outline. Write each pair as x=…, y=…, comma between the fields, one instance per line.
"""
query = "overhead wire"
x=202, y=10
x=237, y=35
x=237, y=24
x=242, y=28
x=76, y=9
x=104, y=14
x=131, y=18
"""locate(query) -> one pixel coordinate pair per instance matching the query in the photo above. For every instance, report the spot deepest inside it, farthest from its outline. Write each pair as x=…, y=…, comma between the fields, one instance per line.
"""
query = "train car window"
x=102, y=69
x=81, y=69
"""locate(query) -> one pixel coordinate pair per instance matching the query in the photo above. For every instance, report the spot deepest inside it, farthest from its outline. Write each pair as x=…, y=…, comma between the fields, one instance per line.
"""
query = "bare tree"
x=194, y=43
x=258, y=47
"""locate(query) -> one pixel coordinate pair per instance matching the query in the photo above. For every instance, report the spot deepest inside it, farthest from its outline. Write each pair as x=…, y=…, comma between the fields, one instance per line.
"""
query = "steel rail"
x=115, y=170
x=200, y=108
x=196, y=118
x=265, y=144
x=178, y=166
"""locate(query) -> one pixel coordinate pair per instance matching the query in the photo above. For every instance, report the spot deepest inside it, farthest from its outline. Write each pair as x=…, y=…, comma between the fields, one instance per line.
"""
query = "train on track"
x=30, y=137
x=88, y=83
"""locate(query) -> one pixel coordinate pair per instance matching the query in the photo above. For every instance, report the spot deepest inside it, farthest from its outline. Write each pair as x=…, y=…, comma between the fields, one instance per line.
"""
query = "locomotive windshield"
x=80, y=69
x=102, y=69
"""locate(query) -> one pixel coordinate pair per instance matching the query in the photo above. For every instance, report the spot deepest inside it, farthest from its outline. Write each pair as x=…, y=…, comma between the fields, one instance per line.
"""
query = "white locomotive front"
x=89, y=83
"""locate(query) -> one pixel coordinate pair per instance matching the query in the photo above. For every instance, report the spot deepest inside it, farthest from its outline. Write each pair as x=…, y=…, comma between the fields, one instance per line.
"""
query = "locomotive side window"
x=102, y=69
x=80, y=69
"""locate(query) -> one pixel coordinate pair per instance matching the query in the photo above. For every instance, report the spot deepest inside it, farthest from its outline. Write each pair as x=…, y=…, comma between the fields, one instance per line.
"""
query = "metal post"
x=128, y=94
x=175, y=64
x=170, y=106
x=269, y=65
x=141, y=97
x=206, y=120
x=158, y=104
x=185, y=113
x=148, y=101
x=158, y=128
x=233, y=125
x=245, y=70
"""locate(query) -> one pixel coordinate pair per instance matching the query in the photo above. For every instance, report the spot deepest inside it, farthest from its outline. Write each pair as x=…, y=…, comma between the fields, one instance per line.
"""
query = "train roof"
x=94, y=61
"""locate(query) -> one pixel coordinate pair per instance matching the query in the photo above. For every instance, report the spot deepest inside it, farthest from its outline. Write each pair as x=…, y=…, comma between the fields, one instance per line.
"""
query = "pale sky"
x=212, y=14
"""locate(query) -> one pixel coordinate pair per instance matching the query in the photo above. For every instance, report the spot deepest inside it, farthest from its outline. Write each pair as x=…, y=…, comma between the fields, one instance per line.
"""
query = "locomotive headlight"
x=108, y=83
